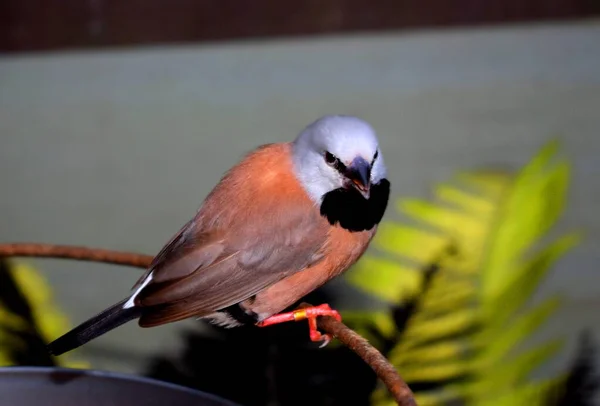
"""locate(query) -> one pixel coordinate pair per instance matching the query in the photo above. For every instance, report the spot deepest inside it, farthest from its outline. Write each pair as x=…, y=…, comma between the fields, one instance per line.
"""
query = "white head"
x=338, y=152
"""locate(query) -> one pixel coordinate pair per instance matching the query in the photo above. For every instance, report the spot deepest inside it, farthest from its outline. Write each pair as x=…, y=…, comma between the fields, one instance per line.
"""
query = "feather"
x=107, y=320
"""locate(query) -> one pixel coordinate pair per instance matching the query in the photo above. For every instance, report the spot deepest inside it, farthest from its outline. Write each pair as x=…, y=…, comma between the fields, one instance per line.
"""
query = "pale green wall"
x=117, y=149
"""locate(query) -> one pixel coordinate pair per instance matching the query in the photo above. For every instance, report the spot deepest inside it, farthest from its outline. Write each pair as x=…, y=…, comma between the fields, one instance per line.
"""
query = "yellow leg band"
x=300, y=315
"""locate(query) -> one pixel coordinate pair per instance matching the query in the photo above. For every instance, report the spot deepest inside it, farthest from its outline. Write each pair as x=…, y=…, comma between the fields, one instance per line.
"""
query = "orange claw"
x=310, y=313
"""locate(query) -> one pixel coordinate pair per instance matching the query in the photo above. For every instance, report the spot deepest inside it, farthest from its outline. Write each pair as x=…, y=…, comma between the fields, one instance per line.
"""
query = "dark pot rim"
x=66, y=374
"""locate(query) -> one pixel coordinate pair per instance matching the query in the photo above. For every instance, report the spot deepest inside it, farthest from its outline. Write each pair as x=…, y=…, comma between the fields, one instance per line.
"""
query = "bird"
x=286, y=219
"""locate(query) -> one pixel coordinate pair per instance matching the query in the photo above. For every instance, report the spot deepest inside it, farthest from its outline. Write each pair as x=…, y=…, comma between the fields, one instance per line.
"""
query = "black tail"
x=103, y=322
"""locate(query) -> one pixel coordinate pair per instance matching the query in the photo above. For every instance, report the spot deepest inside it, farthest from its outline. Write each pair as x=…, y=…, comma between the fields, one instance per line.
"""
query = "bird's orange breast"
x=343, y=249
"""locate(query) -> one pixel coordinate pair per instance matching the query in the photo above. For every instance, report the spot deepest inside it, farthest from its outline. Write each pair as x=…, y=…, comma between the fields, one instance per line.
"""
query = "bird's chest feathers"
x=351, y=211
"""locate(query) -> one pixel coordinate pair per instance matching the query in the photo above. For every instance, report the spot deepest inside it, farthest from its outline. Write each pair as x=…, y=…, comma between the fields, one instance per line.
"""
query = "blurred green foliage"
x=467, y=264
x=29, y=318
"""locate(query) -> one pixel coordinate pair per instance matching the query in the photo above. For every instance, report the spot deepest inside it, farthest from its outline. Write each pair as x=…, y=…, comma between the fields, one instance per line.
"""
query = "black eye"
x=330, y=158
x=375, y=156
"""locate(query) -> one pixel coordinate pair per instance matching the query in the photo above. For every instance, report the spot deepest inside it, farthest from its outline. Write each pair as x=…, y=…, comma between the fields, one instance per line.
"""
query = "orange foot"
x=310, y=313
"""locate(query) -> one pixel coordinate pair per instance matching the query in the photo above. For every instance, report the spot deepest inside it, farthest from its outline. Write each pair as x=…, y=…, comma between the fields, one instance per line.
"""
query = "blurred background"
x=117, y=118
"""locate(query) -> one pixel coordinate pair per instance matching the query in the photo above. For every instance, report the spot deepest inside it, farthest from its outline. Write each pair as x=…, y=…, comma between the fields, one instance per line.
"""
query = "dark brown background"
x=32, y=25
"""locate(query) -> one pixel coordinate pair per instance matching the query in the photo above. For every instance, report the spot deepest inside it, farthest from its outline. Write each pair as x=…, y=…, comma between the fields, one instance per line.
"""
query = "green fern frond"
x=467, y=318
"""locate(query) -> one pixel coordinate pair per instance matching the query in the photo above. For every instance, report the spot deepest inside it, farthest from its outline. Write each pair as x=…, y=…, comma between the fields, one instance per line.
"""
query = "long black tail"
x=103, y=322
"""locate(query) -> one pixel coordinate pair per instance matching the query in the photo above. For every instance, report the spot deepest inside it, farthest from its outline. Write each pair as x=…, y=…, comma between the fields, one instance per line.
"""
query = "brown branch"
x=76, y=253
x=382, y=367
x=384, y=370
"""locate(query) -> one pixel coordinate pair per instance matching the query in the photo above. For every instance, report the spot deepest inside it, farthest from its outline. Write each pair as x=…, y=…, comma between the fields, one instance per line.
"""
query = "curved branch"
x=384, y=370
x=76, y=253
x=378, y=363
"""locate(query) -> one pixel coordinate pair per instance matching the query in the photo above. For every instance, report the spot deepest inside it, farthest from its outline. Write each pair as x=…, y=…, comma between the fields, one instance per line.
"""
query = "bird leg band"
x=306, y=313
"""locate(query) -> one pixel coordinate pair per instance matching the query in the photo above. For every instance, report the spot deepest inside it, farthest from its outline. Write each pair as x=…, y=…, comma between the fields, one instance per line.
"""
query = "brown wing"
x=238, y=244
x=185, y=242
x=233, y=276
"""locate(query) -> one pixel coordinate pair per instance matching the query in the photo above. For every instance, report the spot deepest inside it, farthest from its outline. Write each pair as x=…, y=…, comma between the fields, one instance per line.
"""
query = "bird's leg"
x=306, y=313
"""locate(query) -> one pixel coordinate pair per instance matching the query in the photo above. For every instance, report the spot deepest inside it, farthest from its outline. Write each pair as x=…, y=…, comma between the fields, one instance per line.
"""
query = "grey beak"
x=359, y=173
